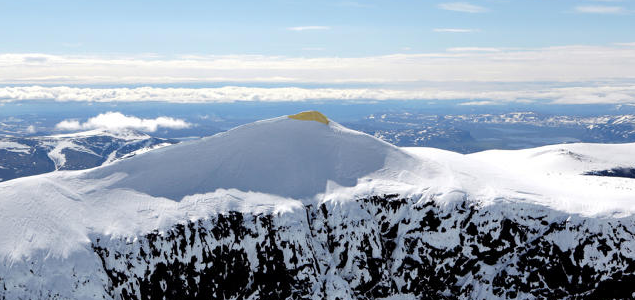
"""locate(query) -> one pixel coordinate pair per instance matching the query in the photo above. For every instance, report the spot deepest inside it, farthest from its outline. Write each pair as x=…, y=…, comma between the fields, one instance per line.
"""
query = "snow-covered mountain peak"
x=269, y=165
x=283, y=156
x=289, y=208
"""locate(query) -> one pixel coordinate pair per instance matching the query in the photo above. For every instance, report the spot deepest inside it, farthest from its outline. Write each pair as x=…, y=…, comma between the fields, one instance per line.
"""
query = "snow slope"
x=552, y=176
x=327, y=191
x=570, y=159
x=282, y=156
x=561, y=170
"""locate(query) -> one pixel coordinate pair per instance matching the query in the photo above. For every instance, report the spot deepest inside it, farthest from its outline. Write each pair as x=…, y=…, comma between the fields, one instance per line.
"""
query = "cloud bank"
x=117, y=121
x=603, y=94
x=560, y=64
x=565, y=74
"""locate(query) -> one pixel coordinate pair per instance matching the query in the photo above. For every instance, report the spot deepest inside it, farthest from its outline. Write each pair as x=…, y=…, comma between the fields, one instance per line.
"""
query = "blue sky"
x=487, y=51
x=340, y=28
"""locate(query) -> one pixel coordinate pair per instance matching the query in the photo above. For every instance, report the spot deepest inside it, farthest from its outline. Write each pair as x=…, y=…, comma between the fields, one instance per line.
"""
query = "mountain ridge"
x=380, y=221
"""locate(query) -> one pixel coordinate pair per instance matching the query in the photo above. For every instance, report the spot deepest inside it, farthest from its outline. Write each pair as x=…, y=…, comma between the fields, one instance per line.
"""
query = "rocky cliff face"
x=378, y=247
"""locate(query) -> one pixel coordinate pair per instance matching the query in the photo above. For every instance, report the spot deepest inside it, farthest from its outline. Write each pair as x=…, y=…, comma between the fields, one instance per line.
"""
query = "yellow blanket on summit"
x=310, y=116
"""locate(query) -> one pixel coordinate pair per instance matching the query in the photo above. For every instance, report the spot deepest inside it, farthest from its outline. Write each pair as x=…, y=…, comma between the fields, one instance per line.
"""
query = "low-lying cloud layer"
x=117, y=121
x=458, y=64
x=562, y=95
x=566, y=74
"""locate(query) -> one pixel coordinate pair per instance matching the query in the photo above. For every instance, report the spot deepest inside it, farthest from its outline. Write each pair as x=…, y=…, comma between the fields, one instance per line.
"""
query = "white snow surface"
x=573, y=159
x=279, y=165
x=551, y=176
x=557, y=171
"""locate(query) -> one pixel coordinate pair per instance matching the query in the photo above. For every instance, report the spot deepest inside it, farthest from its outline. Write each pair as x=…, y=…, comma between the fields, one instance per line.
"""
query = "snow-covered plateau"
x=303, y=208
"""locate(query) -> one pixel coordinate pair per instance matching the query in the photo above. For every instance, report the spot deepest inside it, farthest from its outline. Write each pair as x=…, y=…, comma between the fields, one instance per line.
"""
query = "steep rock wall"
x=379, y=247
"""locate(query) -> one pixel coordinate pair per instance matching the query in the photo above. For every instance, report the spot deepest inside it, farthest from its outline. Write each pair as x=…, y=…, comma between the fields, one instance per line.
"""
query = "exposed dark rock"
x=377, y=246
x=615, y=172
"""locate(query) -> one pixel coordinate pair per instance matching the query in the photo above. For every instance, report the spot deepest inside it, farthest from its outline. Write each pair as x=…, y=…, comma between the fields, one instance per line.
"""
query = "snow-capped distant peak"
x=124, y=134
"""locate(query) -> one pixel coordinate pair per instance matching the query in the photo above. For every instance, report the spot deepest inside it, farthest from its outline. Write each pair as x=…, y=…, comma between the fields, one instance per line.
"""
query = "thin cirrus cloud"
x=600, y=9
x=455, y=30
x=462, y=7
x=473, y=49
x=118, y=121
x=308, y=28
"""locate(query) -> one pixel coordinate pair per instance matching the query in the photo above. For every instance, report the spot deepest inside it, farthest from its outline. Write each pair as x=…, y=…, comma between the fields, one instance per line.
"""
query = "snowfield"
x=344, y=214
x=552, y=176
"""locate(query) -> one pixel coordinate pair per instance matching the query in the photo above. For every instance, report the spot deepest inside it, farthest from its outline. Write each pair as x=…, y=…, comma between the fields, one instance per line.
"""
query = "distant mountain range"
x=450, y=129
x=467, y=133
x=26, y=156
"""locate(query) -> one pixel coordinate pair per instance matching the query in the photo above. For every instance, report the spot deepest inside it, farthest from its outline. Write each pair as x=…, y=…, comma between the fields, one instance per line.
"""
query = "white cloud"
x=455, y=30
x=304, y=28
x=622, y=94
x=117, y=120
x=600, y=9
x=462, y=7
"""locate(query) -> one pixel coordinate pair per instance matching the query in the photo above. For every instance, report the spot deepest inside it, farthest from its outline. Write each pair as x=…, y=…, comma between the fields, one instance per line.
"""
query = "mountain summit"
x=311, y=116
x=285, y=156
